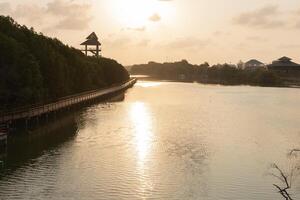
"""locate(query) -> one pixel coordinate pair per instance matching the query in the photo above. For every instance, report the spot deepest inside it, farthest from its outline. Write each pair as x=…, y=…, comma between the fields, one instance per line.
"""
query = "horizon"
x=210, y=64
x=135, y=31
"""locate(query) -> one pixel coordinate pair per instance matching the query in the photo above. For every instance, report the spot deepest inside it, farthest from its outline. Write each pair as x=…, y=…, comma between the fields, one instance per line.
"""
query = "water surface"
x=164, y=141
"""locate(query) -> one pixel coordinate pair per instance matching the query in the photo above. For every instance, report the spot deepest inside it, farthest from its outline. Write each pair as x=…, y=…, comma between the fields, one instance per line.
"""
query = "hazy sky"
x=138, y=31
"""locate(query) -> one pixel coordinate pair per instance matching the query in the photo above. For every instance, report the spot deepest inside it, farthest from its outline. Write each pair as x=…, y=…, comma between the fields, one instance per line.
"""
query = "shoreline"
x=149, y=78
x=63, y=103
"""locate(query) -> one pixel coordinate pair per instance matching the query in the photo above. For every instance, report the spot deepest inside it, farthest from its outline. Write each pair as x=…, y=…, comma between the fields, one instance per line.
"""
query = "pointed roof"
x=285, y=59
x=92, y=36
x=92, y=39
x=91, y=42
x=284, y=63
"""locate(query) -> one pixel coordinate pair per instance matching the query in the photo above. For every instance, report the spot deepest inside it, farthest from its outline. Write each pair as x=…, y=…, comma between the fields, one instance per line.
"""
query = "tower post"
x=97, y=50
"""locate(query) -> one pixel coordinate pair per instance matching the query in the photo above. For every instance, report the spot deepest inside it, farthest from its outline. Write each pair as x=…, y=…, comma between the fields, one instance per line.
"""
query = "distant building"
x=286, y=69
x=253, y=65
x=182, y=77
x=285, y=66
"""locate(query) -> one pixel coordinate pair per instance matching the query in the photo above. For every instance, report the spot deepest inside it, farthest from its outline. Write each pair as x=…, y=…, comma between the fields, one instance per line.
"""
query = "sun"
x=135, y=13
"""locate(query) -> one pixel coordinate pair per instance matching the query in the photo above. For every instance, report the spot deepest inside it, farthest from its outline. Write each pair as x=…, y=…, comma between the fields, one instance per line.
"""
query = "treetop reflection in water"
x=164, y=141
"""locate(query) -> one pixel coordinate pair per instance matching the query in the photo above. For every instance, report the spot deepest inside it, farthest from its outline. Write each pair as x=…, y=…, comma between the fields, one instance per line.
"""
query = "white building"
x=253, y=65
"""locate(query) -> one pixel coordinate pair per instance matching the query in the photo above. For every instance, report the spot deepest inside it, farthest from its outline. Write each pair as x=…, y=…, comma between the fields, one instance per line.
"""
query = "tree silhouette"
x=225, y=74
x=35, y=68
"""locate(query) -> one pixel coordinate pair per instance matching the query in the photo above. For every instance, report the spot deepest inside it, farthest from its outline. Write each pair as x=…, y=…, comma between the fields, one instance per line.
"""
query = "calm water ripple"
x=164, y=141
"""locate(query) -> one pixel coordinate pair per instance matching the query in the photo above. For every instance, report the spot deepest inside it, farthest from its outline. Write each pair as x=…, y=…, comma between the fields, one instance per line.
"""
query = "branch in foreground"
x=283, y=178
x=294, y=151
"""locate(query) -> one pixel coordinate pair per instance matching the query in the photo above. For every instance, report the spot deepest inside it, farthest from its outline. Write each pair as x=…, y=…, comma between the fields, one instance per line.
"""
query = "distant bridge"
x=38, y=110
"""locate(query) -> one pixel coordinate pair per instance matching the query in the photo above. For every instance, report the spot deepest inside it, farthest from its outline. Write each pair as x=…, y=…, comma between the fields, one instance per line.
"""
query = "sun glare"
x=135, y=14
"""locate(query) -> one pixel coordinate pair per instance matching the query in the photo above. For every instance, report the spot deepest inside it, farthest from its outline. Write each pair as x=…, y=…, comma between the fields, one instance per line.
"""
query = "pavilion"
x=92, y=40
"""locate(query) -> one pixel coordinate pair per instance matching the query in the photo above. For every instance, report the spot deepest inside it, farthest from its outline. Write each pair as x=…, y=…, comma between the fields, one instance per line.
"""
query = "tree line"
x=225, y=74
x=35, y=68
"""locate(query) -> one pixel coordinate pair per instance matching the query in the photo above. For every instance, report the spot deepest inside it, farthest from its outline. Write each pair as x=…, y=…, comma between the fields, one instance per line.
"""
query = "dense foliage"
x=217, y=74
x=167, y=71
x=231, y=75
x=35, y=68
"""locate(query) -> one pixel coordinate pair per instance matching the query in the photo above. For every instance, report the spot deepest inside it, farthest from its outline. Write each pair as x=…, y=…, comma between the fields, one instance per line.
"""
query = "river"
x=165, y=140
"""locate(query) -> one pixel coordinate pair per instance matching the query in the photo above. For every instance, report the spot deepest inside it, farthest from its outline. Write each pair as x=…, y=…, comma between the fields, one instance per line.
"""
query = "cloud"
x=73, y=16
x=75, y=23
x=221, y=33
x=124, y=42
x=297, y=17
x=265, y=17
x=119, y=42
x=5, y=7
x=139, y=29
x=143, y=43
x=188, y=43
x=59, y=7
x=57, y=14
x=256, y=38
x=30, y=12
x=155, y=17
x=218, y=33
x=290, y=46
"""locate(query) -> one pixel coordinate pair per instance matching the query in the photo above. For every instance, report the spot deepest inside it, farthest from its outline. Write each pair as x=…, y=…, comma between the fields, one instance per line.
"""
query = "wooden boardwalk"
x=3, y=136
x=34, y=111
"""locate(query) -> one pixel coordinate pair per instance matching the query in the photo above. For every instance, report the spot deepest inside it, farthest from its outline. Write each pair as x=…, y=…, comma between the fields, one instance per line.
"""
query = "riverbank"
x=149, y=78
x=66, y=102
x=224, y=74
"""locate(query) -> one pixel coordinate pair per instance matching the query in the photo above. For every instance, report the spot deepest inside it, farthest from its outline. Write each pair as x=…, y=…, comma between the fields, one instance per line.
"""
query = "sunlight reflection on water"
x=141, y=119
x=143, y=131
x=149, y=84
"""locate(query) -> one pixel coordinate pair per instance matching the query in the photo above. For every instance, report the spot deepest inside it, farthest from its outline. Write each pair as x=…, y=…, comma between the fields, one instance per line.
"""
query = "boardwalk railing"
x=3, y=137
x=32, y=111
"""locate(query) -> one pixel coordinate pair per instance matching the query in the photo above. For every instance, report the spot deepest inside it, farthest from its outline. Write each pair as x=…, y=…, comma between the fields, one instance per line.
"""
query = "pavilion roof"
x=92, y=39
x=91, y=42
x=92, y=36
